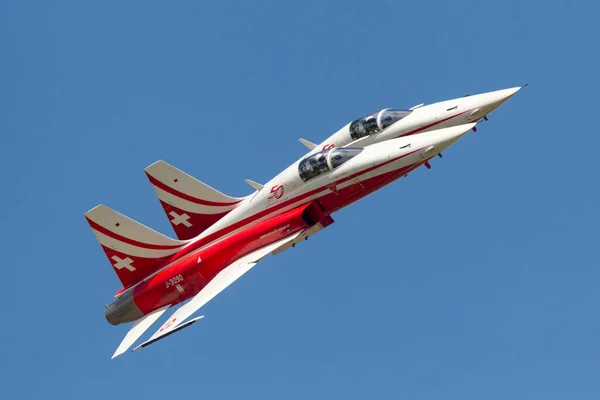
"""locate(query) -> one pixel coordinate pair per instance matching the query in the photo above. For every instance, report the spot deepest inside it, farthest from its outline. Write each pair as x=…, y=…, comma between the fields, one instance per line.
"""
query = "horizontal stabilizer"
x=191, y=206
x=138, y=328
x=134, y=250
x=308, y=144
x=255, y=185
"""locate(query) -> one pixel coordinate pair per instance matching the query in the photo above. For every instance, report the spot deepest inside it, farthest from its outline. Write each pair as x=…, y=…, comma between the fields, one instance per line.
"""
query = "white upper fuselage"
x=444, y=114
x=288, y=186
x=288, y=190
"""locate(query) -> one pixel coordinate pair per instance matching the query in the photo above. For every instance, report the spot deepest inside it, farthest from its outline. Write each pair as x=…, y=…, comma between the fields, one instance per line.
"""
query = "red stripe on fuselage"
x=187, y=197
x=196, y=270
x=379, y=166
x=431, y=125
x=348, y=195
x=236, y=225
x=340, y=202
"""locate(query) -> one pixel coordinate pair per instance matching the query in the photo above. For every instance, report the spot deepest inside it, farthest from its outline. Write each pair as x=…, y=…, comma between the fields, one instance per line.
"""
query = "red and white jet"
x=192, y=206
x=390, y=123
x=222, y=237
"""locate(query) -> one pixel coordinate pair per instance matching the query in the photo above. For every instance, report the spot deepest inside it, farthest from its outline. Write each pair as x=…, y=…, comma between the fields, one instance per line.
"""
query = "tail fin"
x=134, y=250
x=190, y=205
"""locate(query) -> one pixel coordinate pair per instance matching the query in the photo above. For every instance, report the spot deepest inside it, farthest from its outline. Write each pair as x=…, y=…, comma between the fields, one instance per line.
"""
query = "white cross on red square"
x=123, y=263
x=180, y=219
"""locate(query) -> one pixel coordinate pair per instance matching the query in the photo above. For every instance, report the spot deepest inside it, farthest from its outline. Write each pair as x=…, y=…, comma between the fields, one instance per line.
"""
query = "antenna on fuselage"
x=255, y=185
x=308, y=144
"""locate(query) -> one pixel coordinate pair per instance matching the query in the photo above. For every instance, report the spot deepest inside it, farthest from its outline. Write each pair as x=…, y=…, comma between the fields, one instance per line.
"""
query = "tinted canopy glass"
x=339, y=156
x=376, y=122
x=325, y=161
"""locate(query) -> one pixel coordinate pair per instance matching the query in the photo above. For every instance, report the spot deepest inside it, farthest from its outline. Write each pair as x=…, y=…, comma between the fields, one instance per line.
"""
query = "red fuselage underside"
x=192, y=269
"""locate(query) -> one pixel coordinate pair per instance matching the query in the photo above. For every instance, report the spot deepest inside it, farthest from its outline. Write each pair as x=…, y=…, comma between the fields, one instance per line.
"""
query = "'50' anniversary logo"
x=276, y=192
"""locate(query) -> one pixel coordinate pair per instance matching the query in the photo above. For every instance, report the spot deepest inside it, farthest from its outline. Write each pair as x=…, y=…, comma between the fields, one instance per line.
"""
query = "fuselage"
x=304, y=194
x=390, y=124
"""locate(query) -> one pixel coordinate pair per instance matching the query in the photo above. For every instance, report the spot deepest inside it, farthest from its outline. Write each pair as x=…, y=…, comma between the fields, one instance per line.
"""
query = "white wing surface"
x=137, y=329
x=221, y=281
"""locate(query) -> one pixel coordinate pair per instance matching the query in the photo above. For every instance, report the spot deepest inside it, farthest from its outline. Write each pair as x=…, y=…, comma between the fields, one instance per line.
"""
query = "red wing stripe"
x=187, y=197
x=127, y=240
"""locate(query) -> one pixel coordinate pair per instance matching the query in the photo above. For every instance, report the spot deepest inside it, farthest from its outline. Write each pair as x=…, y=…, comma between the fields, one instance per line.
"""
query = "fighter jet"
x=393, y=123
x=192, y=206
x=159, y=273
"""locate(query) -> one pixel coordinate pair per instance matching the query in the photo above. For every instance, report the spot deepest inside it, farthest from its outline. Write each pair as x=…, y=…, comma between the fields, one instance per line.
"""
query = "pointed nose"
x=493, y=100
x=441, y=139
x=447, y=136
x=485, y=103
x=500, y=96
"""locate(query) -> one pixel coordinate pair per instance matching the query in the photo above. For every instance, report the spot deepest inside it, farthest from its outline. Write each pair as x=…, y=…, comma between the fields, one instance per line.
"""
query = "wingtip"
x=116, y=354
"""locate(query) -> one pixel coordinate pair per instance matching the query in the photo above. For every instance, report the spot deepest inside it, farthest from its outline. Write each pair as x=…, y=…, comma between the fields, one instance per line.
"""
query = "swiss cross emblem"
x=121, y=263
x=180, y=219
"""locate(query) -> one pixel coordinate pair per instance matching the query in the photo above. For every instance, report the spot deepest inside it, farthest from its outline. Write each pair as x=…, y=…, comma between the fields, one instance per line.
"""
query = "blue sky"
x=475, y=279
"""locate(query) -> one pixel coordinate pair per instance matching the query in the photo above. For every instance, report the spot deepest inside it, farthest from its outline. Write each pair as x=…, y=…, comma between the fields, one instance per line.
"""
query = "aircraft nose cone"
x=452, y=134
x=443, y=138
x=496, y=99
x=503, y=95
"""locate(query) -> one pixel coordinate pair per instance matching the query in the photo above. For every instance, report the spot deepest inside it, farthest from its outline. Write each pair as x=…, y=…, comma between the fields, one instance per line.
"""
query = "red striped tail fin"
x=191, y=206
x=134, y=250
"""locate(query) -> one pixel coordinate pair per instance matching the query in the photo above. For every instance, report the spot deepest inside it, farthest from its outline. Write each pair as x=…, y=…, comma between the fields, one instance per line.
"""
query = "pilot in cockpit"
x=316, y=164
x=312, y=164
x=370, y=124
x=376, y=122
x=317, y=161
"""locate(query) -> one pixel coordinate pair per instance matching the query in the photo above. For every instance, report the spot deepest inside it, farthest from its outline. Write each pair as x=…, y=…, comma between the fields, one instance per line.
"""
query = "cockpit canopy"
x=376, y=122
x=325, y=161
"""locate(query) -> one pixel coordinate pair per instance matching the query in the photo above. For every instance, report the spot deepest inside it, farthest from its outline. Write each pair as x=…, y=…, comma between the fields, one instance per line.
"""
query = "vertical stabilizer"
x=191, y=206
